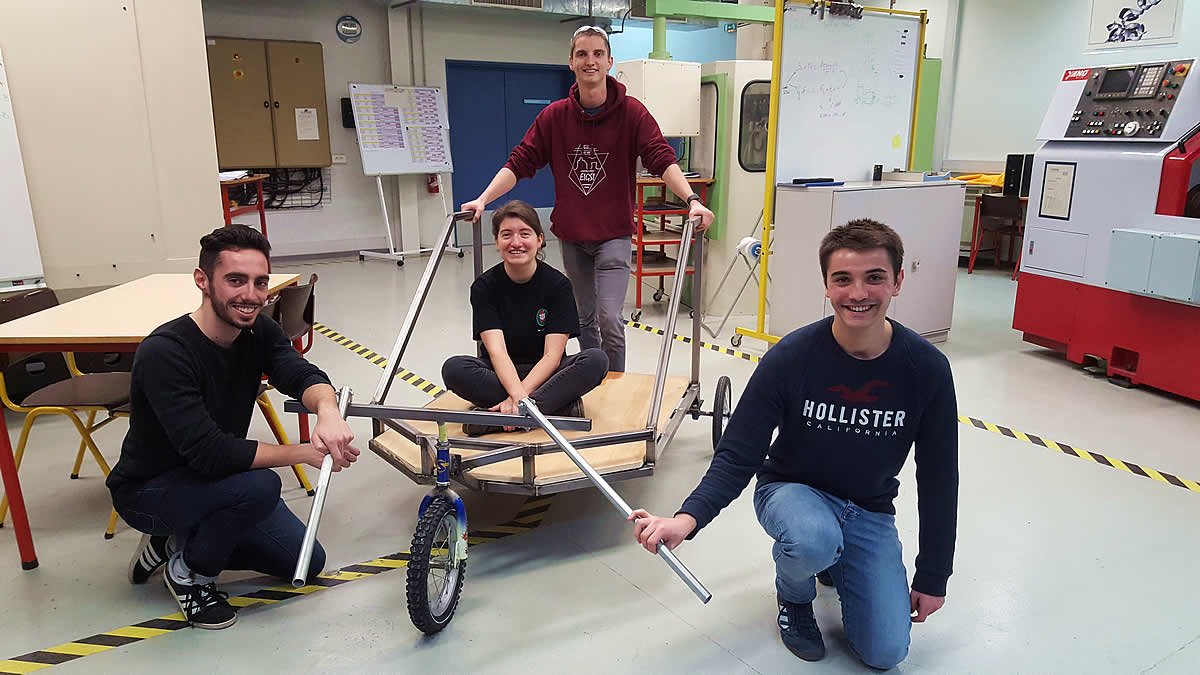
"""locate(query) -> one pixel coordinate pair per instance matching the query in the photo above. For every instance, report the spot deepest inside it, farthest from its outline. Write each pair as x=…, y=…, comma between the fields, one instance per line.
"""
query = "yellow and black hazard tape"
x=753, y=358
x=406, y=376
x=1128, y=467
x=529, y=517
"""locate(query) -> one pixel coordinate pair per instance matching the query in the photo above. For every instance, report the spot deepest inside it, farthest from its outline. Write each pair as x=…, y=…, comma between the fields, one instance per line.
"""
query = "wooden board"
x=620, y=403
x=123, y=314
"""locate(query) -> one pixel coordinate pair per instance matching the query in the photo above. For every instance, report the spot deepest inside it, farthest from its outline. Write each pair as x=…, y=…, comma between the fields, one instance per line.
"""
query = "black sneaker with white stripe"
x=799, y=631
x=202, y=605
x=149, y=555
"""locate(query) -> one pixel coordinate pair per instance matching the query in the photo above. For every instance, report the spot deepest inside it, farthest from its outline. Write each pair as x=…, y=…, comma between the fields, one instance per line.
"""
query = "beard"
x=225, y=312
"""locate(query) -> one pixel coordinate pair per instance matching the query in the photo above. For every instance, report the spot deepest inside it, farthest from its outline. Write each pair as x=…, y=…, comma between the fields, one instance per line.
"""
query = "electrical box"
x=670, y=90
x=1129, y=257
x=269, y=105
x=1175, y=269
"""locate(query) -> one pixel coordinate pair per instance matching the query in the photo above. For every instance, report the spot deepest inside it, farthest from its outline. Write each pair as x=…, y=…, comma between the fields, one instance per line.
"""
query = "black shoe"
x=202, y=605
x=480, y=429
x=150, y=554
x=574, y=409
x=825, y=578
x=799, y=631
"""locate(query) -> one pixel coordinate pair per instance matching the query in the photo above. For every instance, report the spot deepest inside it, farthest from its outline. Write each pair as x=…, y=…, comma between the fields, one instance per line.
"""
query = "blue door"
x=491, y=106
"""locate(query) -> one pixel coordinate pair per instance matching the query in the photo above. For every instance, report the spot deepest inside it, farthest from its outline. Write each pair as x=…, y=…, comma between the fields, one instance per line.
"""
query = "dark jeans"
x=232, y=523
x=475, y=380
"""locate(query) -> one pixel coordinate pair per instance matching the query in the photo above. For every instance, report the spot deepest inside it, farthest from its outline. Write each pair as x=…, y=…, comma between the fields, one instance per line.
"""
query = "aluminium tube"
x=300, y=577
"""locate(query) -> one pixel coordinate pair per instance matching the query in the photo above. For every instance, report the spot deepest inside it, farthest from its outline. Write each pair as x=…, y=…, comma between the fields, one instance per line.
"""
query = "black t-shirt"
x=525, y=312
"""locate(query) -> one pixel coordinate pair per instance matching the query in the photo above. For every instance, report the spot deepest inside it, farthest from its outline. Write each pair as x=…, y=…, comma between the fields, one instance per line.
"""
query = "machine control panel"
x=1132, y=101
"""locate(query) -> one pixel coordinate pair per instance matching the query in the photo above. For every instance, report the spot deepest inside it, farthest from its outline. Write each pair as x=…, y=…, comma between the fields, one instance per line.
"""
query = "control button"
x=1166, y=83
x=1139, y=113
x=1131, y=128
x=1162, y=111
x=1087, y=93
x=1101, y=112
x=1181, y=68
x=1170, y=96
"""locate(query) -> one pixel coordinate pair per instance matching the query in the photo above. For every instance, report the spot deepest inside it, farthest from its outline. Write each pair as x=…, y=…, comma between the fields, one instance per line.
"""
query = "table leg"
x=262, y=209
x=16, y=502
x=225, y=205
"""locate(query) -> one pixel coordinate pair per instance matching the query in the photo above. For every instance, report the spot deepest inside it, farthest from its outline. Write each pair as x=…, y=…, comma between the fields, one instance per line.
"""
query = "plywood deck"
x=621, y=403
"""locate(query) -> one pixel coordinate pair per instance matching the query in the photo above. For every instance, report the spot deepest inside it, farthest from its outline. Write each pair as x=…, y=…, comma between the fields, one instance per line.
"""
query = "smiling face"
x=590, y=59
x=860, y=285
x=237, y=289
x=517, y=242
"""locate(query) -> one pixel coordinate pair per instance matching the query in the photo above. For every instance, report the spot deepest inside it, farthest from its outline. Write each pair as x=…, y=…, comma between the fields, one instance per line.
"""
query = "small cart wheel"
x=436, y=570
x=658, y=295
x=691, y=313
x=361, y=258
x=400, y=262
x=461, y=254
x=636, y=315
x=736, y=340
x=722, y=405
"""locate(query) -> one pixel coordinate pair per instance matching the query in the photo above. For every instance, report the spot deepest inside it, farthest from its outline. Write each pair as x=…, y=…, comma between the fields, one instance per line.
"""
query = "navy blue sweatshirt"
x=845, y=427
x=192, y=399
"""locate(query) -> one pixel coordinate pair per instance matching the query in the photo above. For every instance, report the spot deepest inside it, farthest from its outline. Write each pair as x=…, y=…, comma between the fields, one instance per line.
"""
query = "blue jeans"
x=814, y=531
x=232, y=523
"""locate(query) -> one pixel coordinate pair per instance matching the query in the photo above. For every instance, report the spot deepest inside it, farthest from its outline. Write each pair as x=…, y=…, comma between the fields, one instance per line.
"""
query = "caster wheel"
x=736, y=340
x=461, y=254
x=658, y=295
x=436, y=569
x=636, y=315
x=399, y=263
x=722, y=408
x=691, y=314
x=361, y=258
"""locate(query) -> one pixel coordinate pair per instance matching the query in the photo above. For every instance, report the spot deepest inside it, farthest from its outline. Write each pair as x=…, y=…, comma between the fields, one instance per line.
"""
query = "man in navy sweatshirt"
x=849, y=396
x=203, y=494
x=592, y=140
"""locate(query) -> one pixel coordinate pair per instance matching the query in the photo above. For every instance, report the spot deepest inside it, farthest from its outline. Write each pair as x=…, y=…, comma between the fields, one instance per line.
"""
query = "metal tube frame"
x=300, y=576
x=530, y=408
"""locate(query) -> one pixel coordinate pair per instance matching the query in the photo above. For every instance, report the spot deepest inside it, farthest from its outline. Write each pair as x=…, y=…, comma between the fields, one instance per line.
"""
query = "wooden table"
x=256, y=180
x=113, y=320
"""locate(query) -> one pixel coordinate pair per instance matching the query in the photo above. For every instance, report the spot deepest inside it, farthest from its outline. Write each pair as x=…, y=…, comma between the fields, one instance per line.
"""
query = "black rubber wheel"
x=691, y=313
x=658, y=295
x=399, y=263
x=736, y=340
x=636, y=315
x=461, y=254
x=435, y=574
x=361, y=258
x=722, y=407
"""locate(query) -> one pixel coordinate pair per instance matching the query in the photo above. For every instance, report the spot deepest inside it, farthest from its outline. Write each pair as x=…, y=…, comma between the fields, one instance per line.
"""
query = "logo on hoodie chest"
x=587, y=167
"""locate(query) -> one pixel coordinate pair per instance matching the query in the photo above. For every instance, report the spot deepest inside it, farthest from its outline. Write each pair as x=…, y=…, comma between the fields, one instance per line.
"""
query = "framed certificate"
x=1058, y=187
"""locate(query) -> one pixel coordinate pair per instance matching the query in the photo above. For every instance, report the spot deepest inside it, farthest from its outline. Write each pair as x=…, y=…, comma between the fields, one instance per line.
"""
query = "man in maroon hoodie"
x=592, y=140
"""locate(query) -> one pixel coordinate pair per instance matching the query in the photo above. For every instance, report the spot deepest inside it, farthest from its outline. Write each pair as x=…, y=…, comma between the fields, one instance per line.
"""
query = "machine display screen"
x=1116, y=81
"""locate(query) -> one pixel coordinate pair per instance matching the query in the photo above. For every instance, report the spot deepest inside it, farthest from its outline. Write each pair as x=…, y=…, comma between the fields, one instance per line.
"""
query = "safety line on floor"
x=406, y=376
x=529, y=517
x=753, y=358
x=1103, y=460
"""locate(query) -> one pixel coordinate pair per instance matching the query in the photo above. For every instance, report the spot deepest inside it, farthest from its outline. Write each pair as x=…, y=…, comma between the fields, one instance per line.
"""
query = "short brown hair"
x=860, y=235
x=230, y=238
x=591, y=30
x=526, y=213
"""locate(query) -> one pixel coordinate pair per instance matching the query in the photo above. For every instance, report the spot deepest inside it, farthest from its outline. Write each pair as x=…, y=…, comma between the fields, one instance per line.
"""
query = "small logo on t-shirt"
x=861, y=395
x=541, y=317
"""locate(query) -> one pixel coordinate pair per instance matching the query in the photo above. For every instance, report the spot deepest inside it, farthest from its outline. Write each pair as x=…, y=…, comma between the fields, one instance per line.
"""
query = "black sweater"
x=845, y=427
x=192, y=400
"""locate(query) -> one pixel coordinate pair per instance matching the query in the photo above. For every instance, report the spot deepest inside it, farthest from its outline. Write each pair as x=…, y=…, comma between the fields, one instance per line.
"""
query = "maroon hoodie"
x=594, y=160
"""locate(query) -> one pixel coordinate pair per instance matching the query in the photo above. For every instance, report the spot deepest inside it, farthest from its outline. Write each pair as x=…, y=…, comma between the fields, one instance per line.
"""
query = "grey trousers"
x=599, y=274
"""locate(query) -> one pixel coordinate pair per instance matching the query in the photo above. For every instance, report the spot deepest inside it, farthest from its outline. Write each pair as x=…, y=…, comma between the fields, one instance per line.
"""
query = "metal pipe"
x=393, y=412
x=697, y=305
x=300, y=577
x=530, y=408
x=414, y=308
x=664, y=351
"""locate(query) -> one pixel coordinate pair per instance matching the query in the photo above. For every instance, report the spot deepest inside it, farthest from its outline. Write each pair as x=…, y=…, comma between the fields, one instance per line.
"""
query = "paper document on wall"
x=306, y=125
x=1058, y=186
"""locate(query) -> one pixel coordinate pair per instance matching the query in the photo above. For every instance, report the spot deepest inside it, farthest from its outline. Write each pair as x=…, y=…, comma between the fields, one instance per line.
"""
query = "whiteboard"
x=401, y=129
x=20, y=259
x=846, y=94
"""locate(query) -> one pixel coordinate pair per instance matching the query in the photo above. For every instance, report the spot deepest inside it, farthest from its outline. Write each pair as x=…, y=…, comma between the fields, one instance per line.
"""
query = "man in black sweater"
x=849, y=396
x=205, y=496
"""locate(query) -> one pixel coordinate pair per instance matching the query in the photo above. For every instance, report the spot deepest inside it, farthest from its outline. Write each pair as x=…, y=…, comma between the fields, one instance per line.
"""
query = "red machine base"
x=1150, y=342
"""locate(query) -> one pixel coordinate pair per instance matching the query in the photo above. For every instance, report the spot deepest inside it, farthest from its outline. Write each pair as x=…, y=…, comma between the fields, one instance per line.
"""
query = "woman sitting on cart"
x=524, y=312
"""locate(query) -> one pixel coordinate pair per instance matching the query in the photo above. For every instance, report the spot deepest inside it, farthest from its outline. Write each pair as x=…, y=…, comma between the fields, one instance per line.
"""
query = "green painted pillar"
x=660, y=39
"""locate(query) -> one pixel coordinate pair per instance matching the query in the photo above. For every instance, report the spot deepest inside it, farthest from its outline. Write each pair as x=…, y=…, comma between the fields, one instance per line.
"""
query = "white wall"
x=115, y=124
x=352, y=220
x=684, y=43
x=1012, y=56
